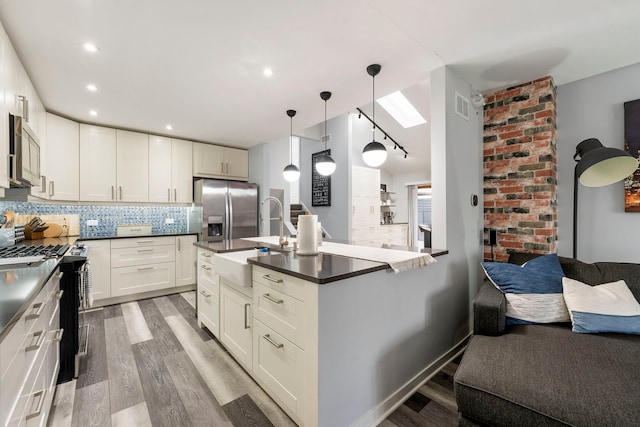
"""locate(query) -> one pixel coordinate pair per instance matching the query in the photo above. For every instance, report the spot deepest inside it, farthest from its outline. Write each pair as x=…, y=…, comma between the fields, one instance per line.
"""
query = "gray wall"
x=593, y=108
x=332, y=217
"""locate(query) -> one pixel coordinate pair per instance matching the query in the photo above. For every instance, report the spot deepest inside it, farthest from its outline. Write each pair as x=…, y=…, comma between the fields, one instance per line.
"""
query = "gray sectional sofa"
x=540, y=375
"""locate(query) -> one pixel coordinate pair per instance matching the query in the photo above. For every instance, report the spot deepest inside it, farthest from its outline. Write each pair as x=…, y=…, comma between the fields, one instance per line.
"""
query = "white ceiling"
x=197, y=64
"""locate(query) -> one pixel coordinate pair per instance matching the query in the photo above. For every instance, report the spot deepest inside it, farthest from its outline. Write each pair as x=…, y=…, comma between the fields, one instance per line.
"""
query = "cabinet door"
x=160, y=172
x=209, y=309
x=100, y=264
x=182, y=171
x=235, y=324
x=63, y=159
x=208, y=160
x=97, y=164
x=132, y=166
x=185, y=260
x=236, y=163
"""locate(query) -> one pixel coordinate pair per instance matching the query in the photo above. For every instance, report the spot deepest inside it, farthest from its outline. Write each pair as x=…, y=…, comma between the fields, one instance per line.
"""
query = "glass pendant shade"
x=374, y=154
x=325, y=165
x=291, y=173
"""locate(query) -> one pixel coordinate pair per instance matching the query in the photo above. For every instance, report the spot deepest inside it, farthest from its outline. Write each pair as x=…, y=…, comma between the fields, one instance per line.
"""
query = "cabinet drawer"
x=209, y=309
x=143, y=278
x=205, y=256
x=126, y=257
x=279, y=365
x=280, y=312
x=207, y=277
x=284, y=283
x=139, y=242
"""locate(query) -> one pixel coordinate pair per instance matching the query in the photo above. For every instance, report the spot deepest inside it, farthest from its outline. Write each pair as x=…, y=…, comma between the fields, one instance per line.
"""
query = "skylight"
x=401, y=109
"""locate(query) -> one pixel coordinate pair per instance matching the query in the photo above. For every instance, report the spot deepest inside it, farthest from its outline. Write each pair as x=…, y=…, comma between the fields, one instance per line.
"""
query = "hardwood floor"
x=149, y=364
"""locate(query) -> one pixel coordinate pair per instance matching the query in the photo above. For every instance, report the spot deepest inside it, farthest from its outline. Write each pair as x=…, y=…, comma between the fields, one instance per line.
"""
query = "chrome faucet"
x=282, y=241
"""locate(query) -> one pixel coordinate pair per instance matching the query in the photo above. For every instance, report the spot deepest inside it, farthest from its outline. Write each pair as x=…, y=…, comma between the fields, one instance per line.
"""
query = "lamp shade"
x=291, y=173
x=599, y=166
x=374, y=154
x=325, y=165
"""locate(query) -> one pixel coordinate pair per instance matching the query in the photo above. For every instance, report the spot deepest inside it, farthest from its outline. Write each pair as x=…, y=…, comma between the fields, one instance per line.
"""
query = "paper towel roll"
x=307, y=234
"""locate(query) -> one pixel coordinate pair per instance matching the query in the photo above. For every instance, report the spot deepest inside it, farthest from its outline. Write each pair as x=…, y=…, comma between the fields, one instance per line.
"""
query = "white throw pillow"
x=610, y=307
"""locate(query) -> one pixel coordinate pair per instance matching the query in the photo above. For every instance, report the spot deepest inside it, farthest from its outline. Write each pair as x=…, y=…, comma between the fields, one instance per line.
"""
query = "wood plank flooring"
x=150, y=364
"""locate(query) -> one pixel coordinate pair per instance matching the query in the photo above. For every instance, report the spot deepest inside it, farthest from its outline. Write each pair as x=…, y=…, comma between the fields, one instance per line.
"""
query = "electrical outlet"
x=92, y=222
x=169, y=221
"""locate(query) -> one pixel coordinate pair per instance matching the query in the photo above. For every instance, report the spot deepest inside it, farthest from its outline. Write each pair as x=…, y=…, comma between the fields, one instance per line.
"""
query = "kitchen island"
x=334, y=340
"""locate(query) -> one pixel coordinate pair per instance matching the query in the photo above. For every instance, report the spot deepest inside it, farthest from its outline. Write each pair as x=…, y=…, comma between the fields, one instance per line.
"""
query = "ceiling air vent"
x=462, y=106
x=325, y=138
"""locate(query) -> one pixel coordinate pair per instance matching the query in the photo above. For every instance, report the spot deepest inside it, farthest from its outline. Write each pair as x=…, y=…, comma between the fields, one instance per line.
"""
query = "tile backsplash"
x=109, y=217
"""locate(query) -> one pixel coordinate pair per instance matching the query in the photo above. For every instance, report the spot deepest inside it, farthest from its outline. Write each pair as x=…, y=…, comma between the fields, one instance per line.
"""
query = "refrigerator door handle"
x=230, y=215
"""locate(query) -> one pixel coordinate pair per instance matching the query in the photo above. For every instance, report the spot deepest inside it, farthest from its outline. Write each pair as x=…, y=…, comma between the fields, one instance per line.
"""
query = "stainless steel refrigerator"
x=229, y=209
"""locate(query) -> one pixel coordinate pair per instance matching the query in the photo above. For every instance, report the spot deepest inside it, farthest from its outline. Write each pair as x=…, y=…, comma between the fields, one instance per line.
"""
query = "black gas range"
x=27, y=254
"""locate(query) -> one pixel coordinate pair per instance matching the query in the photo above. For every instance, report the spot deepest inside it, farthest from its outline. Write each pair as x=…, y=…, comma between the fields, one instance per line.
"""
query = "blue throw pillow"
x=533, y=290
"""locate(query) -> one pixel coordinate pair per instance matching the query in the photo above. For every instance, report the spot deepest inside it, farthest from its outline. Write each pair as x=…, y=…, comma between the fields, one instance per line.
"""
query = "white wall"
x=593, y=108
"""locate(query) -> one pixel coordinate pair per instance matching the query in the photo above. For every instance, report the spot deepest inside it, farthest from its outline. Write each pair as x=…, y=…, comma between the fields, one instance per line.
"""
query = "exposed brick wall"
x=520, y=169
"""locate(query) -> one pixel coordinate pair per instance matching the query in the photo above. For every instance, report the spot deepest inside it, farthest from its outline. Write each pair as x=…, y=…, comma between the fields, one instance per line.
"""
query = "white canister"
x=307, y=235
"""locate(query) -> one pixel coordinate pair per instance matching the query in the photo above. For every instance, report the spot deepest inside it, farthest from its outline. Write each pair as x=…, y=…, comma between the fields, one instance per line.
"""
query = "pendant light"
x=325, y=165
x=291, y=172
x=374, y=153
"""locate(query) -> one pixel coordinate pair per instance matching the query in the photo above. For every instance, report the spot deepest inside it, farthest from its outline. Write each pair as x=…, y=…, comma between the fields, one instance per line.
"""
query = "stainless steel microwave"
x=24, y=154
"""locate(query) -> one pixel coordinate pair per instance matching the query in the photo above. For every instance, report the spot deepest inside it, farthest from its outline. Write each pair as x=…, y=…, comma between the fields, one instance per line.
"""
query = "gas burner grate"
x=48, y=251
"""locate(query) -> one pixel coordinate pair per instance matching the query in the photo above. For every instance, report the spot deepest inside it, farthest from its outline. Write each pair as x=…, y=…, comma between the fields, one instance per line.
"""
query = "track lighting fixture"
x=374, y=153
x=291, y=172
x=325, y=165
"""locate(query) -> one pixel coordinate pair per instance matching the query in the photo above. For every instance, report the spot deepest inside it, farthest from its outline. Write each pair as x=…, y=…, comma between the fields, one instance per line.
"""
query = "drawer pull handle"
x=145, y=241
x=246, y=321
x=272, y=299
x=59, y=334
x=272, y=279
x=59, y=297
x=39, y=341
x=59, y=276
x=272, y=342
x=204, y=294
x=39, y=307
x=145, y=250
x=38, y=410
x=145, y=268
x=206, y=255
x=205, y=268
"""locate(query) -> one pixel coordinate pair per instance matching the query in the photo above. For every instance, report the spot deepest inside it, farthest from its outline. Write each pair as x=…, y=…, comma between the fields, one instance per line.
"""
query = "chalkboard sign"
x=320, y=184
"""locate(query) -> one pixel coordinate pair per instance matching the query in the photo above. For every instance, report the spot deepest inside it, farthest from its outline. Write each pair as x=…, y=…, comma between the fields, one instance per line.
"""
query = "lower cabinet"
x=100, y=265
x=142, y=278
x=235, y=323
x=31, y=359
x=208, y=293
x=185, y=260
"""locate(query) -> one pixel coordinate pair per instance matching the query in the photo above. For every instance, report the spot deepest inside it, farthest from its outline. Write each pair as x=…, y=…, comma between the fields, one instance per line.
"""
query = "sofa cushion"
x=533, y=290
x=538, y=375
x=609, y=307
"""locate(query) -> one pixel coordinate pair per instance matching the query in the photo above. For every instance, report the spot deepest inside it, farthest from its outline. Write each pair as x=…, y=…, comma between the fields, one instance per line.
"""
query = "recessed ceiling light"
x=92, y=87
x=169, y=127
x=401, y=109
x=89, y=47
x=93, y=113
x=267, y=72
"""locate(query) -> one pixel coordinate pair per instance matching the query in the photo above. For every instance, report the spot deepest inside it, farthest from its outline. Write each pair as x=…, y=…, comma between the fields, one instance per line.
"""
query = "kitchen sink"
x=233, y=266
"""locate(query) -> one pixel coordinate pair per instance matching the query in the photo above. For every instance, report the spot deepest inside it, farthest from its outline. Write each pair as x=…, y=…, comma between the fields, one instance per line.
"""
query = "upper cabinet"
x=97, y=164
x=62, y=155
x=132, y=170
x=213, y=161
x=170, y=170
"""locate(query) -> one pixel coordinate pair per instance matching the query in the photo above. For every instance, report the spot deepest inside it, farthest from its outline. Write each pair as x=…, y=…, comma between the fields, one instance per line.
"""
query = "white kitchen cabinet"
x=132, y=166
x=365, y=208
x=208, y=292
x=213, y=161
x=235, y=323
x=185, y=260
x=142, y=264
x=170, y=170
x=97, y=164
x=4, y=122
x=100, y=264
x=62, y=156
x=30, y=360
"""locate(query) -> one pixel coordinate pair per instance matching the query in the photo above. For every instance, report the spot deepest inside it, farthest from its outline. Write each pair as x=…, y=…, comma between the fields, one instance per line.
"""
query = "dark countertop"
x=83, y=238
x=19, y=285
x=320, y=269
